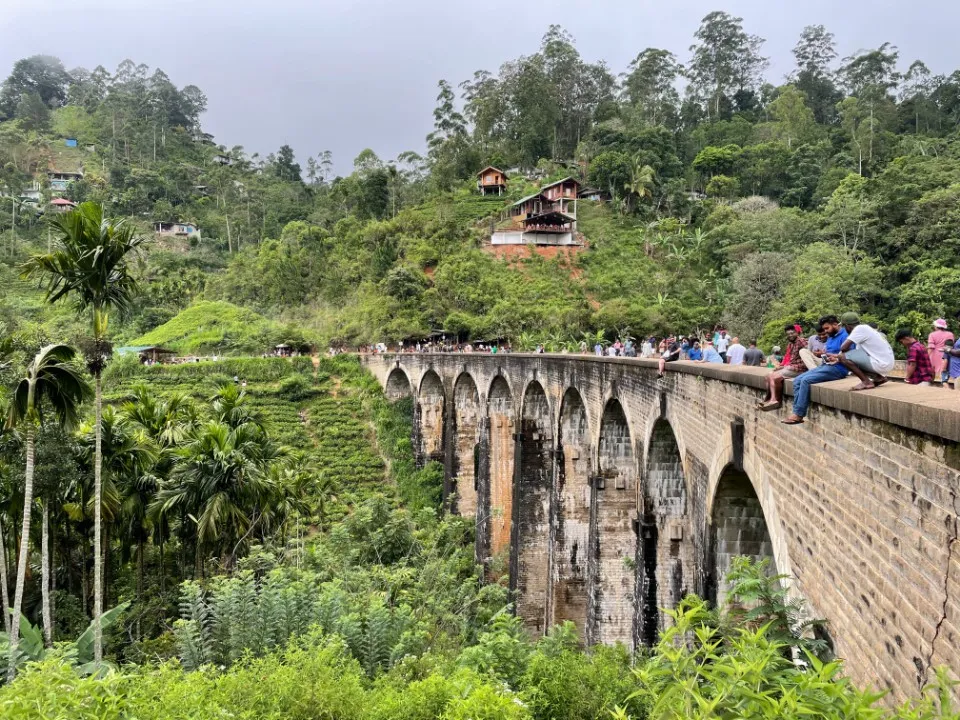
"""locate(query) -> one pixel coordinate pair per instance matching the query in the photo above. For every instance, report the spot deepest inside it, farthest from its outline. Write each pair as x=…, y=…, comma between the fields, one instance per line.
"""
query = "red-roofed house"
x=62, y=205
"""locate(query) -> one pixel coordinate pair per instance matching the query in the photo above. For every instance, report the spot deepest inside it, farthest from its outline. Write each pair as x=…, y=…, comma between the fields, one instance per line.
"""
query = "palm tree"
x=53, y=382
x=89, y=266
x=128, y=462
x=166, y=422
x=222, y=482
x=5, y=482
x=642, y=180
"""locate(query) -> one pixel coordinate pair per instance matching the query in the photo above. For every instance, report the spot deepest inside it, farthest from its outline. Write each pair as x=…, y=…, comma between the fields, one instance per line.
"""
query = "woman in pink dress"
x=936, y=342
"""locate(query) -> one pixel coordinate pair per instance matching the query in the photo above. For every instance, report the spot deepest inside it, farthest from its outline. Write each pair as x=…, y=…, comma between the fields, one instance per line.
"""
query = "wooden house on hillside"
x=548, y=217
x=491, y=181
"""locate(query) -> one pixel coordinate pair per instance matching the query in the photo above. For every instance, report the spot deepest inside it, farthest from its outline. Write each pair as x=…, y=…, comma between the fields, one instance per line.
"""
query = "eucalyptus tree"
x=89, y=266
x=725, y=60
x=52, y=383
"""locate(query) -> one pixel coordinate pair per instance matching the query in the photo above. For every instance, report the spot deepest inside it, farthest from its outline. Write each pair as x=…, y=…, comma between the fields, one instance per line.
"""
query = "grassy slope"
x=211, y=327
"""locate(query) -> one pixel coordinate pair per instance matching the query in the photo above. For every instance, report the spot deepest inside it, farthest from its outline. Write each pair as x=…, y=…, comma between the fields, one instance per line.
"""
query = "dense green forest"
x=254, y=534
x=731, y=192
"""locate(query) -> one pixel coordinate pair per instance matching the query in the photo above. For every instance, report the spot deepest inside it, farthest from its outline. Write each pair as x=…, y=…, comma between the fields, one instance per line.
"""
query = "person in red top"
x=791, y=366
x=919, y=369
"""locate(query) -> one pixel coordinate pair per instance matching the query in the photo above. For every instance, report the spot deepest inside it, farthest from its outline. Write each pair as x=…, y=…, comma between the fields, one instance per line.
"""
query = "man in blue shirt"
x=831, y=369
x=695, y=353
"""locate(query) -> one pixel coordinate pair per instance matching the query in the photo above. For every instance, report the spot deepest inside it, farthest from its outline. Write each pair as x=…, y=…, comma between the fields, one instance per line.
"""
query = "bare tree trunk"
x=4, y=587
x=24, y=550
x=98, y=527
x=45, y=576
x=139, y=581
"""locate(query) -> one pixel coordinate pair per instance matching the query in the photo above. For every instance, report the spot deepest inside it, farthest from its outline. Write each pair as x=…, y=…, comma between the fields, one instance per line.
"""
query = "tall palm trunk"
x=98, y=527
x=24, y=548
x=4, y=587
x=45, y=576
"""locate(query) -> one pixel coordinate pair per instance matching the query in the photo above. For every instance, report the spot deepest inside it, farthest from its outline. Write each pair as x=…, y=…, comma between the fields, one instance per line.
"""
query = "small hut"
x=148, y=353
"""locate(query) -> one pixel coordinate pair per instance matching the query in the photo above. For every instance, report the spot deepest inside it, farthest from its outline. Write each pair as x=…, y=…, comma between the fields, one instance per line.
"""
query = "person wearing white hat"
x=940, y=340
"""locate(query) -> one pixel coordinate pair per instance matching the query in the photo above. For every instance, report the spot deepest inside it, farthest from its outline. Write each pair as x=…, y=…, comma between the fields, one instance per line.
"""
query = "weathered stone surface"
x=617, y=492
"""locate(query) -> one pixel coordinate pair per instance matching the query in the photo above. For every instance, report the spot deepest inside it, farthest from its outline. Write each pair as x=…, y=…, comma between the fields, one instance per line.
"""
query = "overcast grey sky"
x=319, y=74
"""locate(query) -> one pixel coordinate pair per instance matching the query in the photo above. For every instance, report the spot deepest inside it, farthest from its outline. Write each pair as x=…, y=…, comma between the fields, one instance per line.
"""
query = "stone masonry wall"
x=502, y=428
x=860, y=503
x=667, y=560
x=467, y=416
x=572, y=515
x=533, y=481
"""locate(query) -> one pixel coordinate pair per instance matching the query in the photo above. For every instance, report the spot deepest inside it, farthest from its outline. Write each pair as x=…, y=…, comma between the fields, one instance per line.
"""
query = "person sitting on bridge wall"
x=919, y=370
x=866, y=353
x=790, y=367
x=812, y=354
x=671, y=354
x=832, y=369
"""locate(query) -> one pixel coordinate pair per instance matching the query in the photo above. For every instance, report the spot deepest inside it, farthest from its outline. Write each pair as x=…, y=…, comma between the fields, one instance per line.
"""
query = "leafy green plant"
x=79, y=653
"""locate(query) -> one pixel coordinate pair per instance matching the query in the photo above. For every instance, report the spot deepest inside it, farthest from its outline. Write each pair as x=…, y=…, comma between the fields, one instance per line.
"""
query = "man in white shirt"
x=723, y=342
x=735, y=352
x=866, y=353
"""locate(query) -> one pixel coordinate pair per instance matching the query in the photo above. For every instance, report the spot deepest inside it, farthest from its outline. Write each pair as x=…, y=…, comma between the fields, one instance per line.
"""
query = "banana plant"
x=78, y=653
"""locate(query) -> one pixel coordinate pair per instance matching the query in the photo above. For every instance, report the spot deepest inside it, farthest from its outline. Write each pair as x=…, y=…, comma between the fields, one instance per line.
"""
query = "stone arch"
x=571, y=504
x=613, y=539
x=530, y=540
x=665, y=558
x=500, y=411
x=467, y=417
x=738, y=526
x=428, y=419
x=398, y=385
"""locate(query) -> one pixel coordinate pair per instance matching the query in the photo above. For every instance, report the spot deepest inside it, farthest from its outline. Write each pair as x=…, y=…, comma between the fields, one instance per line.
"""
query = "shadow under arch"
x=571, y=514
x=612, y=536
x=398, y=385
x=533, y=481
x=665, y=558
x=502, y=419
x=428, y=419
x=467, y=417
x=738, y=527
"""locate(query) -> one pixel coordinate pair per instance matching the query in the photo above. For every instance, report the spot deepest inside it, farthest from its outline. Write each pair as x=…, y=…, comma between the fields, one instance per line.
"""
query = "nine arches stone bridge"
x=611, y=494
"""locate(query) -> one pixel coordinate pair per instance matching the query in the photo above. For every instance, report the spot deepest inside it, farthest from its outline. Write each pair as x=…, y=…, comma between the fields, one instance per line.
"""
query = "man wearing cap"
x=938, y=342
x=832, y=369
x=866, y=353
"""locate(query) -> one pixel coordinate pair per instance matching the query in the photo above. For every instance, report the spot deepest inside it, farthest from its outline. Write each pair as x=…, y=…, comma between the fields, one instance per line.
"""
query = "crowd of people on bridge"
x=837, y=347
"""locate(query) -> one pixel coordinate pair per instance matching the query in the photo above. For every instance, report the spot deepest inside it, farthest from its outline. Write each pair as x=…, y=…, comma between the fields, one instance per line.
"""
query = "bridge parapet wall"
x=859, y=504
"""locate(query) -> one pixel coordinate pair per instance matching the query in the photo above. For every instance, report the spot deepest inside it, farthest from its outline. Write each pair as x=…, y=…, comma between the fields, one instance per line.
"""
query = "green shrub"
x=296, y=388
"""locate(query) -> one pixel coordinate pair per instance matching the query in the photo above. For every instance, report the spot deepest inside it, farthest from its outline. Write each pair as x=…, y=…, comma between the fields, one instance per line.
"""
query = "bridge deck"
x=930, y=410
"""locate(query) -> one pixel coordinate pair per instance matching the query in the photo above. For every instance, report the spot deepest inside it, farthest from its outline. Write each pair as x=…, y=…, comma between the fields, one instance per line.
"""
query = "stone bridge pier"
x=606, y=494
